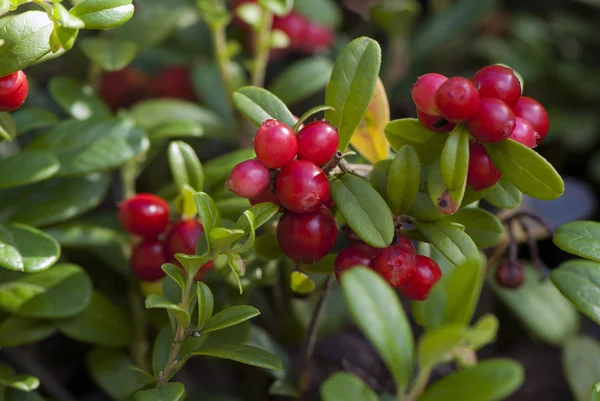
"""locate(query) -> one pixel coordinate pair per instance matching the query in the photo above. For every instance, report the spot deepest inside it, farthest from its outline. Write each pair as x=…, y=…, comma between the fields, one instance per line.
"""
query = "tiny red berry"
x=435, y=123
x=302, y=186
x=531, y=110
x=275, y=144
x=510, y=274
x=498, y=82
x=423, y=92
x=493, y=122
x=249, y=179
x=457, y=99
x=146, y=260
x=396, y=264
x=524, y=133
x=267, y=196
x=428, y=274
x=482, y=172
x=123, y=88
x=146, y=215
x=354, y=255
x=295, y=27
x=183, y=237
x=13, y=90
x=306, y=237
x=317, y=142
x=174, y=82
x=317, y=38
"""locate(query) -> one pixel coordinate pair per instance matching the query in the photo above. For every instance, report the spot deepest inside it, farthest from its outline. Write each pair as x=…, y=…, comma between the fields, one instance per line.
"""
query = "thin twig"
x=534, y=252
x=418, y=387
x=513, y=246
x=262, y=47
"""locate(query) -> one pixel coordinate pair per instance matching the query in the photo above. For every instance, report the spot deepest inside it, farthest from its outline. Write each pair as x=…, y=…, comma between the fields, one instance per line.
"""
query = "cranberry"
x=317, y=38
x=182, y=238
x=428, y=273
x=267, y=196
x=275, y=144
x=510, y=274
x=13, y=91
x=531, y=110
x=423, y=93
x=524, y=133
x=457, y=99
x=317, y=142
x=498, y=82
x=354, y=255
x=174, y=82
x=302, y=186
x=435, y=123
x=406, y=243
x=123, y=88
x=493, y=122
x=146, y=215
x=146, y=260
x=249, y=179
x=396, y=264
x=295, y=27
x=482, y=172
x=306, y=237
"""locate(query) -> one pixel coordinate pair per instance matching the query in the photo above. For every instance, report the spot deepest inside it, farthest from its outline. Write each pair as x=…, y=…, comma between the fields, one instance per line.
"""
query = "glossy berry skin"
x=427, y=275
x=13, y=90
x=249, y=179
x=267, y=196
x=146, y=215
x=275, y=144
x=146, y=260
x=396, y=264
x=510, y=274
x=302, y=186
x=424, y=90
x=482, y=172
x=406, y=243
x=317, y=142
x=306, y=237
x=531, y=110
x=457, y=99
x=182, y=238
x=123, y=88
x=493, y=122
x=498, y=82
x=431, y=123
x=174, y=82
x=524, y=133
x=354, y=255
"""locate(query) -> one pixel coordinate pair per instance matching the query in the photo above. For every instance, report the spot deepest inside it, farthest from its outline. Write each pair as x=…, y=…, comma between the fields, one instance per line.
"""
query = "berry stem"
x=418, y=387
x=263, y=47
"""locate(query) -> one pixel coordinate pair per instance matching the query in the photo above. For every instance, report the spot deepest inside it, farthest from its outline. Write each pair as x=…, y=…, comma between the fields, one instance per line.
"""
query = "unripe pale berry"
x=146, y=260
x=275, y=144
x=249, y=179
x=457, y=99
x=302, y=186
x=435, y=123
x=396, y=264
x=423, y=92
x=493, y=122
x=524, y=133
x=499, y=82
x=354, y=255
x=482, y=172
x=144, y=214
x=317, y=142
x=13, y=91
x=532, y=111
x=427, y=275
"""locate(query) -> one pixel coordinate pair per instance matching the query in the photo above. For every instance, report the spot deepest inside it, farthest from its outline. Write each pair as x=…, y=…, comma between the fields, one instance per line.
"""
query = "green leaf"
x=222, y=238
x=245, y=223
x=266, y=248
x=595, y=392
x=175, y=273
x=103, y=14
x=581, y=238
x=301, y=283
x=260, y=105
x=167, y=392
x=15, y=331
x=16, y=395
x=210, y=217
x=278, y=7
x=397, y=18
x=446, y=200
x=526, y=170
x=581, y=362
x=230, y=317
x=61, y=39
x=351, y=86
x=344, y=386
x=206, y=304
x=309, y=113
x=102, y=323
x=176, y=129
x=403, y=180
x=454, y=161
x=504, y=195
x=85, y=235
x=154, y=301
x=375, y=308
x=7, y=126
x=244, y=354
x=363, y=209
x=64, y=18
x=491, y=380
x=30, y=118
x=185, y=166
x=483, y=227
x=27, y=167
x=302, y=79
x=409, y=131
x=323, y=266
x=450, y=240
x=579, y=282
x=77, y=99
x=462, y=289
x=26, y=249
x=326, y=12
x=263, y=212
x=110, y=55
x=10, y=379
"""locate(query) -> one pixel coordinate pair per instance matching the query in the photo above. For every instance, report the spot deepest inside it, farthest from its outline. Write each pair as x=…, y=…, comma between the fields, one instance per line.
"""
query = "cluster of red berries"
x=13, y=91
x=490, y=104
x=287, y=171
x=399, y=265
x=148, y=216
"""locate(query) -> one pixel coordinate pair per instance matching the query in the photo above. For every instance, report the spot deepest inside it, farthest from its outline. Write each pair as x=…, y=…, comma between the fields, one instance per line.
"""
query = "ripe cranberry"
x=147, y=258
x=423, y=93
x=174, y=82
x=182, y=238
x=302, y=186
x=13, y=90
x=396, y=264
x=275, y=144
x=267, y=196
x=510, y=274
x=493, y=122
x=295, y=27
x=354, y=255
x=432, y=122
x=482, y=172
x=123, y=88
x=249, y=179
x=317, y=142
x=524, y=133
x=317, y=38
x=498, y=82
x=428, y=273
x=146, y=215
x=531, y=110
x=457, y=99
x=306, y=237
x=406, y=243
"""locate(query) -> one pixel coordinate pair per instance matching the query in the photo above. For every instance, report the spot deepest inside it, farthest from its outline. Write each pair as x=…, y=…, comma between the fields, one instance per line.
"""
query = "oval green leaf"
x=454, y=161
x=581, y=238
x=27, y=167
x=9, y=378
x=302, y=79
x=409, y=131
x=344, y=386
x=504, y=195
x=8, y=130
x=242, y=353
x=581, y=362
x=26, y=249
x=77, y=99
x=404, y=179
x=16, y=330
x=483, y=227
x=579, y=281
x=185, y=166
x=103, y=14
x=301, y=283
x=110, y=55
x=30, y=118
x=230, y=317
x=167, y=392
x=451, y=241
x=259, y=105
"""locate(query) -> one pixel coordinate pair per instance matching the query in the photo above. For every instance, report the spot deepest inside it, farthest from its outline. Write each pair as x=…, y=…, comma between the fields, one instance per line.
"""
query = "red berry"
x=510, y=274
x=457, y=99
x=531, y=110
x=174, y=82
x=306, y=237
x=524, y=133
x=267, y=196
x=123, y=88
x=275, y=144
x=482, y=173
x=317, y=38
x=406, y=243
x=423, y=93
x=432, y=122
x=354, y=255
x=493, y=122
x=13, y=90
x=295, y=27
x=249, y=179
x=147, y=258
x=182, y=238
x=317, y=142
x=146, y=215
x=302, y=186
x=498, y=82
x=396, y=264
x=428, y=273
